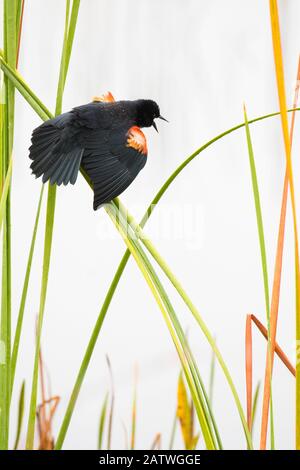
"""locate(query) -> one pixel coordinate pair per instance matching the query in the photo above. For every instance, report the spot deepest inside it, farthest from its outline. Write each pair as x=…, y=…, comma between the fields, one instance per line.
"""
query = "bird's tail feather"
x=55, y=165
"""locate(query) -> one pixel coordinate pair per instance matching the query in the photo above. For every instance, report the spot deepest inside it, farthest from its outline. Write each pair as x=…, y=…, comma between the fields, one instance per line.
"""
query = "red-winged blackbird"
x=103, y=137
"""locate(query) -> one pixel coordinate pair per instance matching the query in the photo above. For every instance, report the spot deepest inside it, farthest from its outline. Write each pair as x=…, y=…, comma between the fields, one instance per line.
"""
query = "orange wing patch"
x=137, y=140
x=105, y=98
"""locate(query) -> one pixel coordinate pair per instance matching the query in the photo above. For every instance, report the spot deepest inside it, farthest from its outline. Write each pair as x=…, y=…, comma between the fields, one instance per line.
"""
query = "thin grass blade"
x=10, y=55
x=5, y=191
x=166, y=309
x=48, y=233
x=289, y=181
x=18, y=331
x=102, y=421
x=112, y=405
x=138, y=232
x=248, y=367
x=173, y=431
x=21, y=407
x=133, y=412
x=254, y=407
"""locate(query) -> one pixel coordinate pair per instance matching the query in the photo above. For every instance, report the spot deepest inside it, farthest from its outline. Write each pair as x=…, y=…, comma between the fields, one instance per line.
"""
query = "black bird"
x=103, y=137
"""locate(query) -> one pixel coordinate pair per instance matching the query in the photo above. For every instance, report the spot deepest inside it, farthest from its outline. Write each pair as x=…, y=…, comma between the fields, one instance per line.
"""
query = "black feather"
x=50, y=153
x=111, y=165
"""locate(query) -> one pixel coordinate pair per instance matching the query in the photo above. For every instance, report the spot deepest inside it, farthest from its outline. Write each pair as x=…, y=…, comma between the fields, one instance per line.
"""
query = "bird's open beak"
x=155, y=126
x=164, y=119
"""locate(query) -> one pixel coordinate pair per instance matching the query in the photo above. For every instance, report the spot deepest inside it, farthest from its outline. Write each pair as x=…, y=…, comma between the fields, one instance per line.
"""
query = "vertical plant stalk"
x=259, y=218
x=133, y=410
x=19, y=25
x=284, y=122
x=156, y=444
x=70, y=26
x=263, y=255
x=288, y=181
x=254, y=407
x=45, y=114
x=10, y=51
x=173, y=431
x=102, y=421
x=248, y=367
x=47, y=252
x=274, y=315
x=20, y=415
x=5, y=192
x=112, y=404
x=18, y=331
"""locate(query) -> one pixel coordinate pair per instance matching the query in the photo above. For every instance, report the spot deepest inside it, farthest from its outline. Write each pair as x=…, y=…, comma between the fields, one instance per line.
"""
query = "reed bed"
x=194, y=415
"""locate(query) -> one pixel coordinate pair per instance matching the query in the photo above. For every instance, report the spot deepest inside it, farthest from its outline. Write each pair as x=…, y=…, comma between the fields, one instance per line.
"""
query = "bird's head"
x=146, y=112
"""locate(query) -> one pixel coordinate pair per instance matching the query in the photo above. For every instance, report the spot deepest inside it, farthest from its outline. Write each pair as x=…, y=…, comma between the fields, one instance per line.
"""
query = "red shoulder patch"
x=105, y=98
x=137, y=140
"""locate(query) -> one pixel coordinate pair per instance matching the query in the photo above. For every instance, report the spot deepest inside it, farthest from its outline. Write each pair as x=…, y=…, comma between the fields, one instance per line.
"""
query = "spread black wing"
x=111, y=156
x=54, y=152
x=112, y=161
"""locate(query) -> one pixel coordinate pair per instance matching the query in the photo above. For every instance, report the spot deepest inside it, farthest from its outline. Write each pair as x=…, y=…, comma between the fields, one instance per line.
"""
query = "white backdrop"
x=200, y=61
